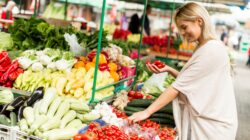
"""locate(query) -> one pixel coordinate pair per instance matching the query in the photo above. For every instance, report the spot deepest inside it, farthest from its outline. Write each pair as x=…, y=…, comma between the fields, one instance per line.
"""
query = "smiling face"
x=190, y=30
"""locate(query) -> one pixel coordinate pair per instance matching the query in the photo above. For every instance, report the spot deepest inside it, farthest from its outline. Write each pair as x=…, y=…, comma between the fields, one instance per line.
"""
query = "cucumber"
x=165, y=110
x=162, y=121
x=133, y=109
x=141, y=103
x=155, y=115
x=163, y=116
x=129, y=113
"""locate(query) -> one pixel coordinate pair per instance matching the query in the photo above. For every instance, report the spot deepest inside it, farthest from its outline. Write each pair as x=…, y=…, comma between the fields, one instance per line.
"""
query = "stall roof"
x=227, y=2
x=93, y=3
x=168, y=5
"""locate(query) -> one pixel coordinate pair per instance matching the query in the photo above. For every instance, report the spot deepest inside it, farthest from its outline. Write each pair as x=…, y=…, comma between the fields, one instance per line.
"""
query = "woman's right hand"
x=153, y=68
x=139, y=116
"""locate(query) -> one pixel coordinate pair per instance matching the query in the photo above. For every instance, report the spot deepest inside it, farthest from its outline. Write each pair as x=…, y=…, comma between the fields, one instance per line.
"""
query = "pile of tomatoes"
x=167, y=133
x=134, y=95
x=149, y=124
x=119, y=113
x=110, y=132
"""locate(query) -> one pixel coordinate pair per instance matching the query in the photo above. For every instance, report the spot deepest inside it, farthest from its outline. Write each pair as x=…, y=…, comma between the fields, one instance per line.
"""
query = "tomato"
x=131, y=93
x=159, y=64
x=148, y=62
x=149, y=97
x=78, y=137
x=138, y=95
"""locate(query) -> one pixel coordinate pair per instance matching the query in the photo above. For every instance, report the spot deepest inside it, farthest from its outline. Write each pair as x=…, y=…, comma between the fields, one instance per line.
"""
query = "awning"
x=92, y=3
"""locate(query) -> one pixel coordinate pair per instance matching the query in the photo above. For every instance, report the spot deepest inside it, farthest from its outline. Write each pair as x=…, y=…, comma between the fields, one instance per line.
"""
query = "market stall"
x=62, y=83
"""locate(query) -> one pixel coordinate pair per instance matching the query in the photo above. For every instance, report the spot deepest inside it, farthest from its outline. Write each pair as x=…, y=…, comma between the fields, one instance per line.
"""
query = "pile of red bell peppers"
x=121, y=34
x=9, y=70
x=158, y=41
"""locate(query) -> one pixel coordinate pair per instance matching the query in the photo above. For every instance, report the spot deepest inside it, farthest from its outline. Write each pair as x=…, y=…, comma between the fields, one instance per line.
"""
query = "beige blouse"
x=206, y=107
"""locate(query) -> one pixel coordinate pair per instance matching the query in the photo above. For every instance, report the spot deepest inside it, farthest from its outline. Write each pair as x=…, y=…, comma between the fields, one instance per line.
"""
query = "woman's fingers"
x=156, y=69
x=152, y=68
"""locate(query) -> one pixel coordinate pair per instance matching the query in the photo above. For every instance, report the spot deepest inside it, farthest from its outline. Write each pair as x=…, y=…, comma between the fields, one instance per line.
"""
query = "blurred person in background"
x=147, y=21
x=134, y=24
x=7, y=13
x=248, y=61
x=124, y=21
x=224, y=36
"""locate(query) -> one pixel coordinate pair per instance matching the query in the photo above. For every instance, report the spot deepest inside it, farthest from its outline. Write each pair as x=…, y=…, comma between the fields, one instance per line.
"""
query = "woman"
x=203, y=95
x=248, y=61
x=134, y=25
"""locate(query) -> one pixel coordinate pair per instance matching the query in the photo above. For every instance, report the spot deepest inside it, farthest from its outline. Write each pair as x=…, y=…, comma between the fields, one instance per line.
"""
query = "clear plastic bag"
x=75, y=47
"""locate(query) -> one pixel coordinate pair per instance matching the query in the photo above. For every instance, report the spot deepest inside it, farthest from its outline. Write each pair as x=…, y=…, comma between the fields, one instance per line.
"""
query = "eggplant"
x=35, y=96
x=4, y=109
x=18, y=102
x=20, y=113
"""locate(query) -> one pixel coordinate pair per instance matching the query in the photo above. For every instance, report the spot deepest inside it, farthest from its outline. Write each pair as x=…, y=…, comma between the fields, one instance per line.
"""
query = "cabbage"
x=24, y=62
x=6, y=42
x=6, y=96
x=45, y=59
x=64, y=65
x=37, y=66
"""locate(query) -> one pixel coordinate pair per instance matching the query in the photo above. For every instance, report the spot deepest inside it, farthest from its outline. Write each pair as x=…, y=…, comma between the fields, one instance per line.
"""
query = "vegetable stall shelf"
x=11, y=133
x=121, y=83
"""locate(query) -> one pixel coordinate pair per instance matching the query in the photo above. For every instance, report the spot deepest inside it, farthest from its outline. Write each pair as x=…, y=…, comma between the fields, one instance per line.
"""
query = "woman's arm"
x=173, y=72
x=166, y=97
x=153, y=68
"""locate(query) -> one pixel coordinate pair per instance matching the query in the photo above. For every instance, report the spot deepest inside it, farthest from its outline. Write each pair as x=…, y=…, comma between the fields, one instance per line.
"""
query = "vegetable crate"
x=10, y=133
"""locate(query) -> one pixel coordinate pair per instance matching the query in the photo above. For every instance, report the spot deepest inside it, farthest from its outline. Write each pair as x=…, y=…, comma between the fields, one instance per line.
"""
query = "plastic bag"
x=157, y=80
x=75, y=47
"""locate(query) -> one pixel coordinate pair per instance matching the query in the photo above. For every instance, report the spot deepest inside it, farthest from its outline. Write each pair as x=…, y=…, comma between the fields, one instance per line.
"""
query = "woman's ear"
x=200, y=21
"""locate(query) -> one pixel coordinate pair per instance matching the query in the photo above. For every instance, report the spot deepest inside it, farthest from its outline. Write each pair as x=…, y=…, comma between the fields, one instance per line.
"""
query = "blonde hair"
x=190, y=12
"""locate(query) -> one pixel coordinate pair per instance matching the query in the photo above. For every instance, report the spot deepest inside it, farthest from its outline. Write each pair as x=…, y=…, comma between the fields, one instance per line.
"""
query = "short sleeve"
x=199, y=71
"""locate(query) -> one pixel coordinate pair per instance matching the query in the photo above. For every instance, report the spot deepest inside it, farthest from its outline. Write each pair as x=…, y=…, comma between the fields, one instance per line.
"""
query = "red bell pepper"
x=11, y=69
x=12, y=76
x=103, y=67
x=92, y=55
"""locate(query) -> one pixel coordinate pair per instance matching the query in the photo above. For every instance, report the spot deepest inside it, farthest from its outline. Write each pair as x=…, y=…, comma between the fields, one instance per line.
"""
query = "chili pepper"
x=103, y=67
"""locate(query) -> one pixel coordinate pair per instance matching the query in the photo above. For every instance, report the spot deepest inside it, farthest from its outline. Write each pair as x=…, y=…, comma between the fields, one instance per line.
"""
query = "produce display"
x=38, y=34
x=9, y=70
x=46, y=88
x=55, y=117
x=163, y=116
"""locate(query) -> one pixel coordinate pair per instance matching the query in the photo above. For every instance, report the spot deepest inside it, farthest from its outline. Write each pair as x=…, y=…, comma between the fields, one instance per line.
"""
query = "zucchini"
x=4, y=120
x=13, y=119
